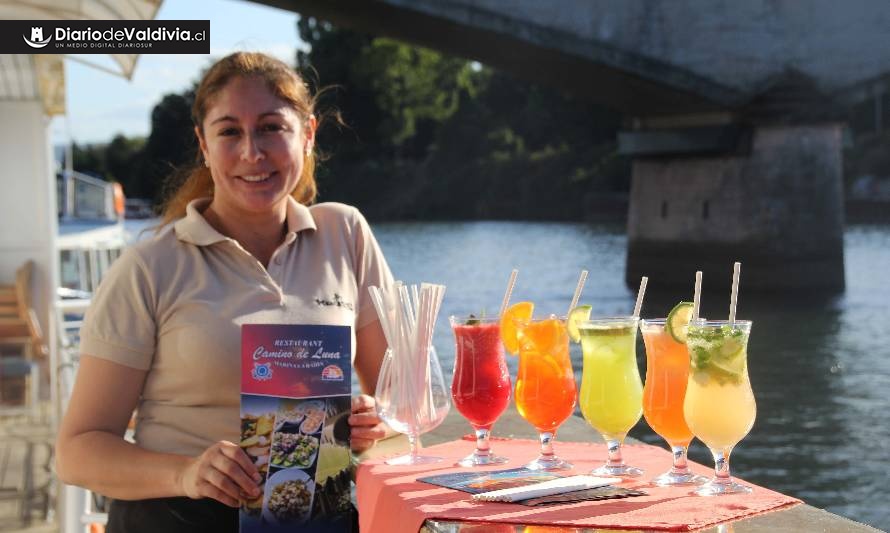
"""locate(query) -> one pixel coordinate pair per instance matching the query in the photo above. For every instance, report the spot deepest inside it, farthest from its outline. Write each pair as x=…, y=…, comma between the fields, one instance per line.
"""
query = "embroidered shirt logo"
x=336, y=302
x=261, y=371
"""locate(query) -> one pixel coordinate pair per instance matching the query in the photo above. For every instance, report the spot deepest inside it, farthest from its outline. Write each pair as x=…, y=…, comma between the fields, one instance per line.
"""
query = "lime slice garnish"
x=678, y=321
x=578, y=314
x=733, y=366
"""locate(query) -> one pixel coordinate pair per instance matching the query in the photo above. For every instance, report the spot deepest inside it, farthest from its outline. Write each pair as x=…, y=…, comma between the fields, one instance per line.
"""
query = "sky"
x=100, y=105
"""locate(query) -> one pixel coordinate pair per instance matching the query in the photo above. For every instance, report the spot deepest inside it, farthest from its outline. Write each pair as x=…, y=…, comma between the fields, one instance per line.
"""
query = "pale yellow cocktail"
x=719, y=405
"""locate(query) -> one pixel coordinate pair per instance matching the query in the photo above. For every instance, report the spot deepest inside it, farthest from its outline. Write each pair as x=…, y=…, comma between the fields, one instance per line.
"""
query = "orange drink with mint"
x=667, y=373
x=545, y=383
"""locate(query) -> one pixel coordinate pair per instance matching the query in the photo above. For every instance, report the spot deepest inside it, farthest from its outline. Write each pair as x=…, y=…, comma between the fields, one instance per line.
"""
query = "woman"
x=238, y=245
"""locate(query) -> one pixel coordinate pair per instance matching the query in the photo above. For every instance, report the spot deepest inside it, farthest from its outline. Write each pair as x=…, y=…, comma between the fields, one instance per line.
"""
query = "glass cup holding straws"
x=411, y=394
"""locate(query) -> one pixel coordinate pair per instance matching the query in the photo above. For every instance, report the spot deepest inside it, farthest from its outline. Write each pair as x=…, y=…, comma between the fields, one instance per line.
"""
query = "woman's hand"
x=367, y=428
x=223, y=472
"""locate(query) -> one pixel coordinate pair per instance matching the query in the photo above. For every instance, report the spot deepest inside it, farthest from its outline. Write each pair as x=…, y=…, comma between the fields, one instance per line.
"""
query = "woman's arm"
x=367, y=428
x=92, y=453
x=370, y=345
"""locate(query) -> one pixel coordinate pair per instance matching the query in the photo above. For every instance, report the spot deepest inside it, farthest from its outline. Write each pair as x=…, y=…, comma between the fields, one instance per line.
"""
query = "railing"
x=84, y=197
x=85, y=267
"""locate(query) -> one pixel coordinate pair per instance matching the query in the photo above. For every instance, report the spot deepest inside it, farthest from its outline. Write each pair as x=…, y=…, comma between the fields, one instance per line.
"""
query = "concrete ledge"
x=705, y=140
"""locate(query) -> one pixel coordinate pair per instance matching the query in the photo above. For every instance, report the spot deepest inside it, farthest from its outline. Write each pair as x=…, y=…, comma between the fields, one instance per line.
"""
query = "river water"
x=820, y=368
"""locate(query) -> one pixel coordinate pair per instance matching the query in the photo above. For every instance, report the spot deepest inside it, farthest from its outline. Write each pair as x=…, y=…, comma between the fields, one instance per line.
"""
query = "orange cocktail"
x=667, y=373
x=545, y=384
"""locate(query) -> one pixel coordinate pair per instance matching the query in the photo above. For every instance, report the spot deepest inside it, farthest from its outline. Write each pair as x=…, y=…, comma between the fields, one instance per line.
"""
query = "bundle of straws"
x=408, y=318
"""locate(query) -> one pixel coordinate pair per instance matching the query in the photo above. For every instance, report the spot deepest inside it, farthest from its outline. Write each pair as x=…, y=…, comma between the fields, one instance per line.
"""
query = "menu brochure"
x=480, y=482
x=295, y=404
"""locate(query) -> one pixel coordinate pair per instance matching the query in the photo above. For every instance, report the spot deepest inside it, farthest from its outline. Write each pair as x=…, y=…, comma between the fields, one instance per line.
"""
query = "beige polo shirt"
x=174, y=304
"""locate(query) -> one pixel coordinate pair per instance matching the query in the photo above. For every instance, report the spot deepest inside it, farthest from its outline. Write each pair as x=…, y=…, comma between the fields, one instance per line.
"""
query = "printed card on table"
x=295, y=404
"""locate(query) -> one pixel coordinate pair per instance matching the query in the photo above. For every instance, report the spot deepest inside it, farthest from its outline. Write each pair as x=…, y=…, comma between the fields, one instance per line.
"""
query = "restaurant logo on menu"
x=105, y=36
x=332, y=373
x=261, y=372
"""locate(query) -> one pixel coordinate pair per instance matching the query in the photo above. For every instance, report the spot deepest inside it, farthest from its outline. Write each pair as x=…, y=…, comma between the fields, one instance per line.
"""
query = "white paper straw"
x=696, y=297
x=734, y=295
x=578, y=289
x=509, y=291
x=639, y=305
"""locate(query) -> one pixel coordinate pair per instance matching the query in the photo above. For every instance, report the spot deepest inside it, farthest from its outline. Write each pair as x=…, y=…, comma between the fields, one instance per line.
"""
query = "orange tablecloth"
x=391, y=499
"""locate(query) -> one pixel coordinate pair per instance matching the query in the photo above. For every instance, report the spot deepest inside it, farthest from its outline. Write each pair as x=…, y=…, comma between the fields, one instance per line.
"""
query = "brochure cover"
x=479, y=482
x=295, y=402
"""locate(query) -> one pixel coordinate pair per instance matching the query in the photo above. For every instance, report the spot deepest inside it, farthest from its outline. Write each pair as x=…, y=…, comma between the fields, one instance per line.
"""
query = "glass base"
x=549, y=463
x=413, y=460
x=617, y=471
x=675, y=479
x=712, y=488
x=481, y=460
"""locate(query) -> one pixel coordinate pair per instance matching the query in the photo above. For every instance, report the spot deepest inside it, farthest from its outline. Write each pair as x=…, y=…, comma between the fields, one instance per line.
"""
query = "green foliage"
x=422, y=135
x=432, y=136
x=142, y=165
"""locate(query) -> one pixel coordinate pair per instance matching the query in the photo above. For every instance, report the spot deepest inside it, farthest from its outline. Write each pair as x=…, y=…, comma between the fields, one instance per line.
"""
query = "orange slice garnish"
x=518, y=312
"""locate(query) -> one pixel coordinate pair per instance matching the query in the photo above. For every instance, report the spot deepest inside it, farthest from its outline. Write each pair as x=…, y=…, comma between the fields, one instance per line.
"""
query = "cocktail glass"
x=611, y=390
x=545, y=384
x=719, y=405
x=412, y=403
x=480, y=388
x=667, y=371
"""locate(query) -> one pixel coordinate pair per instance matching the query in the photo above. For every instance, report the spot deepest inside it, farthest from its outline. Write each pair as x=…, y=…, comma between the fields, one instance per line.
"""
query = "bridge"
x=734, y=112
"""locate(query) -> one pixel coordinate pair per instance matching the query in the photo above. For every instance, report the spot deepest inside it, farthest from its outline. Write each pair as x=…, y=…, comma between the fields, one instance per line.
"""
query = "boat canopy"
x=41, y=77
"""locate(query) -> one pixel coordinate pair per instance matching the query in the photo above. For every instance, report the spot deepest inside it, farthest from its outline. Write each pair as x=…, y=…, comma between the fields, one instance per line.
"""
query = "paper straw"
x=734, y=295
x=578, y=290
x=696, y=298
x=509, y=291
x=639, y=305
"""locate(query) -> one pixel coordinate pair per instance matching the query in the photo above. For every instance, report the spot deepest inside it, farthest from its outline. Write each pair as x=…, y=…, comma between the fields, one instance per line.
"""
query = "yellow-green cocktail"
x=611, y=395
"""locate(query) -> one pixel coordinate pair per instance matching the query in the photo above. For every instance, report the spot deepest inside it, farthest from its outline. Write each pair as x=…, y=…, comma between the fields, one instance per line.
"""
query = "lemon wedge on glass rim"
x=578, y=314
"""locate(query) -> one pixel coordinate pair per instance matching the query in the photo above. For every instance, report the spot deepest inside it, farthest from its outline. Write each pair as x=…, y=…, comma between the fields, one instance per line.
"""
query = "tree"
x=121, y=156
x=170, y=145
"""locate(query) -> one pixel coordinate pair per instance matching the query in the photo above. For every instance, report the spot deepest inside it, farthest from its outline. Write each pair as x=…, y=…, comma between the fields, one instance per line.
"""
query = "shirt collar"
x=194, y=228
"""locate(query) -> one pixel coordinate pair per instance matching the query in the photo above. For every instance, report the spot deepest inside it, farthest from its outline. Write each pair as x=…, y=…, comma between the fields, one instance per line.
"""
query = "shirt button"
x=277, y=260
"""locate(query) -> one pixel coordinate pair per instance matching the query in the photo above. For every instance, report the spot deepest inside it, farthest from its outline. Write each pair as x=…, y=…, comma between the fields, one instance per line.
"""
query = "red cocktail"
x=481, y=385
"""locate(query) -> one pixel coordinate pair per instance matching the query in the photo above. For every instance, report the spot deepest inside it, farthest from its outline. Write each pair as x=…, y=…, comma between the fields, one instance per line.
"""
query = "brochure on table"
x=295, y=402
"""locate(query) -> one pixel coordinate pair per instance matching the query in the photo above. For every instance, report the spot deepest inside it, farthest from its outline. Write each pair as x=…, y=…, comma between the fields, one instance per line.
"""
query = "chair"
x=22, y=346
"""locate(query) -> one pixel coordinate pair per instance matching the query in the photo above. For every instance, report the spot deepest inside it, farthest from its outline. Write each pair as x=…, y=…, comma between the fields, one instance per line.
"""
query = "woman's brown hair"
x=283, y=82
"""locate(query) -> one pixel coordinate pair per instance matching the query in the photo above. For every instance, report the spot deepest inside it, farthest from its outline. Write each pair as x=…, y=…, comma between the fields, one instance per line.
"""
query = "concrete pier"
x=777, y=207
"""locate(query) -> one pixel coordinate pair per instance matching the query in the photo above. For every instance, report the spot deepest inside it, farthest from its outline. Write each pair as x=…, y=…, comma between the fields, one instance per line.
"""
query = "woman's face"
x=254, y=143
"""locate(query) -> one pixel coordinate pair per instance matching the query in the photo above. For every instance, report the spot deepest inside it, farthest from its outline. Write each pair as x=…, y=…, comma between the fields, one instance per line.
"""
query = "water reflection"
x=820, y=368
